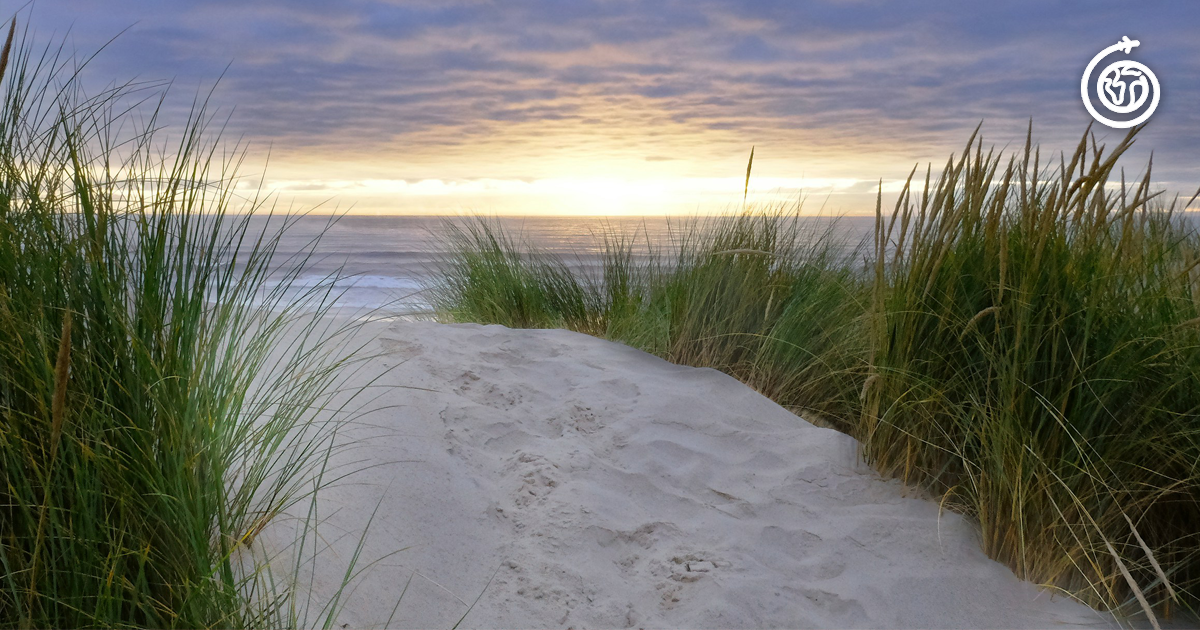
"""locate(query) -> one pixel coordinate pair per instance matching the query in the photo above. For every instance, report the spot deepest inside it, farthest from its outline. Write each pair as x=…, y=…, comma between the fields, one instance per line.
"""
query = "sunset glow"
x=615, y=196
x=618, y=108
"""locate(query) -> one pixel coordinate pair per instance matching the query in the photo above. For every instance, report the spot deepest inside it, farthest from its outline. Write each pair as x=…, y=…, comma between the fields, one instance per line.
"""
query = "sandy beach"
x=566, y=481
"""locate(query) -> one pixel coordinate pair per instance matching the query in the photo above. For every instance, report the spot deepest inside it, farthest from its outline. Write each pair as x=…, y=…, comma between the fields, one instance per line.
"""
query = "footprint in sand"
x=465, y=382
x=685, y=569
x=833, y=604
x=582, y=419
x=490, y=394
x=674, y=574
x=621, y=388
x=691, y=567
x=401, y=348
x=539, y=477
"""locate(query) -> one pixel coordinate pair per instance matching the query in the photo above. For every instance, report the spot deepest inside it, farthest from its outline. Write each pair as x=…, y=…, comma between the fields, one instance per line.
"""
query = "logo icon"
x=1122, y=87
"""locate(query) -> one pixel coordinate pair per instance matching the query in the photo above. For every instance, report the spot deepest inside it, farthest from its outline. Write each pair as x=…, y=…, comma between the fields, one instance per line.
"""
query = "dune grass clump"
x=1034, y=357
x=492, y=278
x=759, y=295
x=154, y=415
x=771, y=300
x=1023, y=341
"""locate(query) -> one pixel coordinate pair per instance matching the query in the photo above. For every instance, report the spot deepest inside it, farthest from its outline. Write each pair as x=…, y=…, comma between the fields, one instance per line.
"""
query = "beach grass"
x=1022, y=341
x=758, y=295
x=161, y=402
x=1034, y=359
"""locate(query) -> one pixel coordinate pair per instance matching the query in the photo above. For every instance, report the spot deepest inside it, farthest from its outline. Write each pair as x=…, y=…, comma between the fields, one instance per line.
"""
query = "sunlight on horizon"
x=588, y=196
x=584, y=196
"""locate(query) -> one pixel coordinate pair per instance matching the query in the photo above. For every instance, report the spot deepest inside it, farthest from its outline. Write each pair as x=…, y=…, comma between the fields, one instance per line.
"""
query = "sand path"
x=604, y=487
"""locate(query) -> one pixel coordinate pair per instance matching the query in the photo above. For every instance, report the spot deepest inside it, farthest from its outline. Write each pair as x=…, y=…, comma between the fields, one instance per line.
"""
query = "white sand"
x=604, y=487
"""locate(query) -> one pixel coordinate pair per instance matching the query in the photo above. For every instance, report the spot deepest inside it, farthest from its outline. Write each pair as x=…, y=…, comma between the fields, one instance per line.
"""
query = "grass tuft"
x=1034, y=365
x=159, y=398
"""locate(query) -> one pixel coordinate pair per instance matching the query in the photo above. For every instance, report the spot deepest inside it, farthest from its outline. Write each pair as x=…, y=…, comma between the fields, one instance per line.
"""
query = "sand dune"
x=598, y=486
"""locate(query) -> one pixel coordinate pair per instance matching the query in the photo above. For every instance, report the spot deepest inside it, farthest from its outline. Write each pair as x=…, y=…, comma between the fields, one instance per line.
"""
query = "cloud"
x=498, y=83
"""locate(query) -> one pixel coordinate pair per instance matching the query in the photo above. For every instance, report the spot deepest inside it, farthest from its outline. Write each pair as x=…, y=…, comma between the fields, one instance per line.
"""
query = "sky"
x=617, y=107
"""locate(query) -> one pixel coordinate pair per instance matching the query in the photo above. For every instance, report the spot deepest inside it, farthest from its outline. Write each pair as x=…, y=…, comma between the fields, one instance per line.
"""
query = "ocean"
x=389, y=261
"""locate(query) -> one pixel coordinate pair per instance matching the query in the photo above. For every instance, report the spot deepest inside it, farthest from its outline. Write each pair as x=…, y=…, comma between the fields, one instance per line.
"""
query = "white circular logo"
x=1122, y=87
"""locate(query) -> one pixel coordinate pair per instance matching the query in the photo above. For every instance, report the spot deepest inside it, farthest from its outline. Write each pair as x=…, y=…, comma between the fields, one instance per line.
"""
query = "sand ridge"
x=576, y=482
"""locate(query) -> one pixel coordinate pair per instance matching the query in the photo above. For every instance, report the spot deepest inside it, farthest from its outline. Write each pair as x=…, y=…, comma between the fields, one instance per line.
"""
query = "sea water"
x=387, y=264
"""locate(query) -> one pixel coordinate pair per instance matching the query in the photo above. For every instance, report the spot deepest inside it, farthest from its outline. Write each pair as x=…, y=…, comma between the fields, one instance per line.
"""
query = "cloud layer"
x=519, y=91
